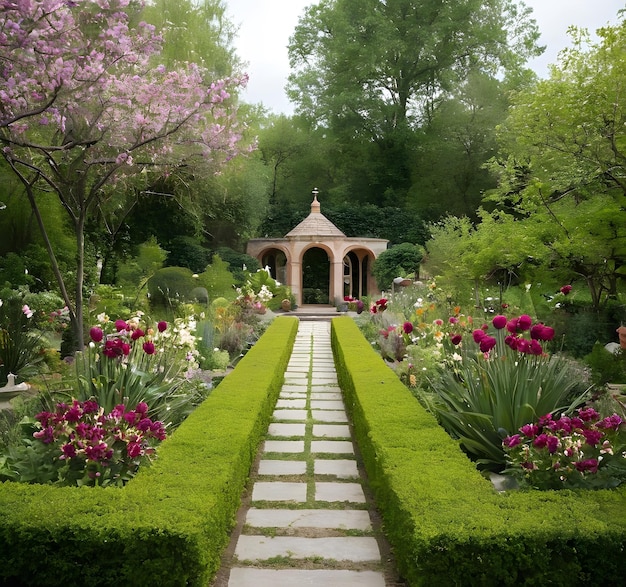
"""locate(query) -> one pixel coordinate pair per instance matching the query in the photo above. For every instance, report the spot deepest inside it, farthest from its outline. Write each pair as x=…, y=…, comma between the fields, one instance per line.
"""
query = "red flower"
x=162, y=326
x=524, y=322
x=478, y=335
x=456, y=339
x=566, y=289
x=407, y=327
x=148, y=347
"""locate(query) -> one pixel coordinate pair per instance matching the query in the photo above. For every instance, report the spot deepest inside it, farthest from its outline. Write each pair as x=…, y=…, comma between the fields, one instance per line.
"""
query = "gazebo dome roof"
x=315, y=224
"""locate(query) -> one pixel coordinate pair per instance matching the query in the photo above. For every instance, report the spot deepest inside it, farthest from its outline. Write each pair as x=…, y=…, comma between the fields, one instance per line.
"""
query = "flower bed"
x=170, y=523
x=446, y=522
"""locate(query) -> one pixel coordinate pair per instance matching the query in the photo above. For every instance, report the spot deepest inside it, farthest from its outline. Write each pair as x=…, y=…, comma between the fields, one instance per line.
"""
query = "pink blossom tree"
x=86, y=109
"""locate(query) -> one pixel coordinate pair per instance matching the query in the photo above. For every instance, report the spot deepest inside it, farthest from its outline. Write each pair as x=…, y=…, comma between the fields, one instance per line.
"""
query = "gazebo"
x=318, y=262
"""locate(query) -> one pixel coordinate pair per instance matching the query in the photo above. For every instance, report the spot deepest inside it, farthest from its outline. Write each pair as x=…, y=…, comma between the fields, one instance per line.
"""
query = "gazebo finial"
x=315, y=205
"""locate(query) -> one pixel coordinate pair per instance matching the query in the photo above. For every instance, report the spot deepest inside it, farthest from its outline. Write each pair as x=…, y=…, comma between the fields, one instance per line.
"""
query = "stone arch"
x=277, y=259
x=316, y=275
x=358, y=280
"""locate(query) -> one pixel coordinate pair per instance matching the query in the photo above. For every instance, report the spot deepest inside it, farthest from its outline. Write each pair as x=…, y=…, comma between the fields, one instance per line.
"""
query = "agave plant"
x=495, y=392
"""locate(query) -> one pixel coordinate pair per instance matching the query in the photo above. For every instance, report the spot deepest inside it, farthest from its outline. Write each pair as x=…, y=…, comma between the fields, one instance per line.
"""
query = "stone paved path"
x=307, y=520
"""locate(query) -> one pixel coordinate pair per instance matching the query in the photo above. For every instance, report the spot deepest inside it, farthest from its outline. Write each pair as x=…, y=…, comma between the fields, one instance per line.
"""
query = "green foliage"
x=606, y=366
x=150, y=258
x=399, y=261
x=217, y=279
x=20, y=343
x=187, y=251
x=239, y=264
x=170, y=286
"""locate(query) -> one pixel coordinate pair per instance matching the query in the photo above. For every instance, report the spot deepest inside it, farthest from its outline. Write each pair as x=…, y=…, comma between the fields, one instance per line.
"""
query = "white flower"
x=457, y=357
x=102, y=317
x=528, y=286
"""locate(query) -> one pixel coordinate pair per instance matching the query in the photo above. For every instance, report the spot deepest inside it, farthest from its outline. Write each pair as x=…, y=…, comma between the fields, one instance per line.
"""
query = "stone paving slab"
x=348, y=548
x=322, y=380
x=326, y=395
x=290, y=415
x=318, y=404
x=251, y=577
x=278, y=491
x=327, y=416
x=331, y=430
x=291, y=403
x=281, y=467
x=284, y=446
x=286, y=429
x=293, y=394
x=334, y=519
x=341, y=468
x=292, y=380
x=325, y=389
x=329, y=491
x=332, y=446
x=297, y=388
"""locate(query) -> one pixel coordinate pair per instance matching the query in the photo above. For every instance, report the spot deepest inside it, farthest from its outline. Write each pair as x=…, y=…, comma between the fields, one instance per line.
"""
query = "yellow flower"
x=412, y=380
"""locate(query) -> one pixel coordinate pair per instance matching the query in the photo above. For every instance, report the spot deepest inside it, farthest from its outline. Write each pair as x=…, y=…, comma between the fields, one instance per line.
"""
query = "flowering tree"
x=85, y=107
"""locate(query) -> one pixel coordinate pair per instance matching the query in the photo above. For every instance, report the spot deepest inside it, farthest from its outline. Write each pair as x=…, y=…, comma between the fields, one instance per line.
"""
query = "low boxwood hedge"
x=170, y=524
x=444, y=520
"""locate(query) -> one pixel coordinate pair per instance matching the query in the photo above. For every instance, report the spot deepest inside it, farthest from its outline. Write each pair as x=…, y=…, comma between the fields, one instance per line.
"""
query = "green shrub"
x=606, y=367
x=399, y=261
x=170, y=286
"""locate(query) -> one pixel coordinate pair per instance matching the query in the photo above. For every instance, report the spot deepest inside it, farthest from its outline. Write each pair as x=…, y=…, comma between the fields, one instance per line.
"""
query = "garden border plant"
x=446, y=522
x=170, y=524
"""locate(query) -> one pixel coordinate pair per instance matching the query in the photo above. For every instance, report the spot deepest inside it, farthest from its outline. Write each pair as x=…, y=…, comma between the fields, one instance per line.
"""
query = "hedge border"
x=444, y=520
x=170, y=524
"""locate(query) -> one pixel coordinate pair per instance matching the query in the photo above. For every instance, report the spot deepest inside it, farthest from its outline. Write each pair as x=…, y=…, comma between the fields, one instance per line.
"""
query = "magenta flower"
x=511, y=441
x=96, y=334
x=530, y=430
x=566, y=289
x=69, y=451
x=553, y=444
x=534, y=348
x=511, y=325
x=592, y=437
x=541, y=332
x=137, y=333
x=453, y=320
x=148, y=347
x=524, y=322
x=588, y=414
x=162, y=326
x=133, y=449
x=511, y=342
x=499, y=321
x=121, y=325
x=540, y=441
x=456, y=339
x=587, y=466
x=407, y=327
x=142, y=408
x=478, y=335
x=487, y=343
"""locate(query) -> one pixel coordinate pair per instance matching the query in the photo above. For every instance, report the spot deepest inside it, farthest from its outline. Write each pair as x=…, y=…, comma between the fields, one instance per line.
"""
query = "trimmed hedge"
x=170, y=524
x=446, y=523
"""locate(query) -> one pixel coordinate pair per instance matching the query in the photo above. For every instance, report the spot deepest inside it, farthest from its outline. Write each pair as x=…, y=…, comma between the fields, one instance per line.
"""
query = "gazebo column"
x=294, y=279
x=336, y=282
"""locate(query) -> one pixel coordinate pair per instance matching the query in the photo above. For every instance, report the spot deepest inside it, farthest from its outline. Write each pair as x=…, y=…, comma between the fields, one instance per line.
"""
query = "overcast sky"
x=266, y=25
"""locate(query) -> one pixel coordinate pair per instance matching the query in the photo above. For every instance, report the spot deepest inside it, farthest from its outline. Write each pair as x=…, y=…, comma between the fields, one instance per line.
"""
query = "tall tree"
x=85, y=107
x=563, y=161
x=374, y=71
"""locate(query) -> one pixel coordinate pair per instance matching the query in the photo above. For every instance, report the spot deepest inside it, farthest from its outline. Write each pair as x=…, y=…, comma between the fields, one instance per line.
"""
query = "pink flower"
x=541, y=332
x=534, y=348
x=566, y=289
x=529, y=430
x=592, y=437
x=499, y=321
x=162, y=326
x=511, y=325
x=438, y=322
x=524, y=322
x=148, y=347
x=27, y=311
x=588, y=414
x=96, y=334
x=587, y=466
x=453, y=320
